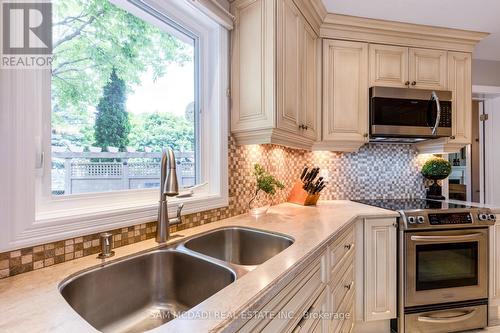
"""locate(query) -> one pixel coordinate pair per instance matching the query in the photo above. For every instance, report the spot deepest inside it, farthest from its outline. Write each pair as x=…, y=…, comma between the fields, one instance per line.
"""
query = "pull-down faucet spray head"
x=171, y=185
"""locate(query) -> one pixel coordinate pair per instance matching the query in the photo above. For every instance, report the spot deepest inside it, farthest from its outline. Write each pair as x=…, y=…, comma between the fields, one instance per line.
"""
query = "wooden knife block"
x=300, y=196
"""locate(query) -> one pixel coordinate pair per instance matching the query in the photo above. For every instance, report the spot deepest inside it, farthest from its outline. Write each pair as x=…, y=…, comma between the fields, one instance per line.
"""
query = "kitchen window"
x=122, y=90
x=129, y=77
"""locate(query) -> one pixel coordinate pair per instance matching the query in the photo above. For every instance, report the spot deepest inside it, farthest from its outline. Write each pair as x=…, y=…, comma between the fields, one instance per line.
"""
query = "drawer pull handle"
x=451, y=319
x=303, y=319
x=348, y=246
x=349, y=286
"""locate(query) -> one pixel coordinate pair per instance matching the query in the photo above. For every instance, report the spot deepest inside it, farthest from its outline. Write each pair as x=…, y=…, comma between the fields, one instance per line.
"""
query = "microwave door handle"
x=465, y=237
x=447, y=320
x=435, y=97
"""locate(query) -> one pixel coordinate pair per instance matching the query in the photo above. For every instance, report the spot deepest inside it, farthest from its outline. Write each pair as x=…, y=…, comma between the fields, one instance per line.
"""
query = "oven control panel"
x=450, y=218
x=447, y=219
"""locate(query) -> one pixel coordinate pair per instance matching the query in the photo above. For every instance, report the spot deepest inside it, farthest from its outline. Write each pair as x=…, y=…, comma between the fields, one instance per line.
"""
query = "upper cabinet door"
x=252, y=66
x=345, y=94
x=428, y=69
x=310, y=84
x=289, y=65
x=460, y=83
x=388, y=66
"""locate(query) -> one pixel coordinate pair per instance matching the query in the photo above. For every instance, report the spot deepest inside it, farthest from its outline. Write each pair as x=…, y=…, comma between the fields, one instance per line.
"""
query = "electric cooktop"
x=429, y=214
x=412, y=204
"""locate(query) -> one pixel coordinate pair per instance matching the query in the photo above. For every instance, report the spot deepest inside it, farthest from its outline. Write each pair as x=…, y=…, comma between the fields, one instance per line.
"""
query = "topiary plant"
x=436, y=168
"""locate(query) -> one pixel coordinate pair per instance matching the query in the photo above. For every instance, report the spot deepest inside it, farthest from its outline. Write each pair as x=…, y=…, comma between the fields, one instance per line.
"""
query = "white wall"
x=492, y=156
x=485, y=72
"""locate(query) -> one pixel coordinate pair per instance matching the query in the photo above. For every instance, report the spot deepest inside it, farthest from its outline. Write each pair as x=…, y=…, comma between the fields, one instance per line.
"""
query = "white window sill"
x=64, y=224
x=194, y=204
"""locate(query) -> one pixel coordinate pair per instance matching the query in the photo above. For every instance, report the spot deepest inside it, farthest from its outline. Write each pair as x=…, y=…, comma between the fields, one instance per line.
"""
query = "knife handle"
x=304, y=172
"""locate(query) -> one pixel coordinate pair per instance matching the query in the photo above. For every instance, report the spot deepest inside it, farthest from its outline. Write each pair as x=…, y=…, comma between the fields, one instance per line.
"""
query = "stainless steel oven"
x=446, y=266
x=409, y=115
x=443, y=268
x=442, y=265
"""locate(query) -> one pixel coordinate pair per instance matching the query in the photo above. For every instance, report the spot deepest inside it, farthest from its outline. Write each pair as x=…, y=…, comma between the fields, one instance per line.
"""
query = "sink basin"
x=144, y=292
x=240, y=246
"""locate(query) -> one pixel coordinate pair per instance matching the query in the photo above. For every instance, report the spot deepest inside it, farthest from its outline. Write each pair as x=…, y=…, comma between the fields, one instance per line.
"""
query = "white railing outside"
x=83, y=172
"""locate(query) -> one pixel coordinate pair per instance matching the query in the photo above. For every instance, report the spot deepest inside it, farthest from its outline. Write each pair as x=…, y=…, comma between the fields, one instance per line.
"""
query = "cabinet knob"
x=349, y=286
x=303, y=127
x=414, y=83
x=365, y=135
x=348, y=246
x=452, y=137
x=407, y=83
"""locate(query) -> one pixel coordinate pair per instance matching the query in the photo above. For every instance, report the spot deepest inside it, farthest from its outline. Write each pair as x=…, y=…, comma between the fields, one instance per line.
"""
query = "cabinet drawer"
x=339, y=252
x=347, y=326
x=312, y=323
x=297, y=296
x=344, y=325
x=297, y=304
x=342, y=300
x=342, y=287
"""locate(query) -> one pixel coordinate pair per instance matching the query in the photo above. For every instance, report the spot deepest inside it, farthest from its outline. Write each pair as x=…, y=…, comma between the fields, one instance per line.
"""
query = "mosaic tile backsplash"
x=376, y=171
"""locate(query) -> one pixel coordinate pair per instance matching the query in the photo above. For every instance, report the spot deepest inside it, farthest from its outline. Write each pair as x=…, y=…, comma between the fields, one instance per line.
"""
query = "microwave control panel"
x=445, y=120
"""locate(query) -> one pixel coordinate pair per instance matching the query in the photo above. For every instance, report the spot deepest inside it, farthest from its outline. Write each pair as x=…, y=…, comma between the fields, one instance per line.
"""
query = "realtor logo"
x=27, y=34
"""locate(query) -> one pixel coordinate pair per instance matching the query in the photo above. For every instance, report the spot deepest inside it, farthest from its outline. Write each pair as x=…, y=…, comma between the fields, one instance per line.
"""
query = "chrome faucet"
x=169, y=187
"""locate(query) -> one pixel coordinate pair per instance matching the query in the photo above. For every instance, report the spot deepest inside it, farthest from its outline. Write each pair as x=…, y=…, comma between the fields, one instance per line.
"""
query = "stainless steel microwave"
x=409, y=115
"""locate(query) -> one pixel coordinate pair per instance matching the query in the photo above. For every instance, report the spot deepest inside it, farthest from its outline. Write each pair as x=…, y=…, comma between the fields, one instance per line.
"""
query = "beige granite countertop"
x=31, y=302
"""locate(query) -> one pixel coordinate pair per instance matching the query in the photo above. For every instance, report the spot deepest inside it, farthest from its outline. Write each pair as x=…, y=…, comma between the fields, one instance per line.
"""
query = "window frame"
x=59, y=217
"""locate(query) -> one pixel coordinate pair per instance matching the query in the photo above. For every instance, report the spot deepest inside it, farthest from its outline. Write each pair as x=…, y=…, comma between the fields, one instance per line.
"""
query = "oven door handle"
x=446, y=238
x=446, y=320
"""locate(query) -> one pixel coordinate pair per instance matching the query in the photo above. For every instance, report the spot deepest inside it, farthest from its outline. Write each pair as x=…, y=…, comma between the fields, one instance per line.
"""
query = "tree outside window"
x=119, y=85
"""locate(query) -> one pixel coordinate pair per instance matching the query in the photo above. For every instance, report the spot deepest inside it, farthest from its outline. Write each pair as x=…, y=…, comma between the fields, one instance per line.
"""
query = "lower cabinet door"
x=380, y=269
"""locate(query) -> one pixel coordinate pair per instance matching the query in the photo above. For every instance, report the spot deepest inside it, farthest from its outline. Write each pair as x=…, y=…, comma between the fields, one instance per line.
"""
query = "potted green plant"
x=265, y=187
x=435, y=169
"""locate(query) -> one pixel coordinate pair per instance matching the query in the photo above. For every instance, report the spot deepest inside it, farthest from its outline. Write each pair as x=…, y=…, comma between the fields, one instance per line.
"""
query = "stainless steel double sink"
x=144, y=291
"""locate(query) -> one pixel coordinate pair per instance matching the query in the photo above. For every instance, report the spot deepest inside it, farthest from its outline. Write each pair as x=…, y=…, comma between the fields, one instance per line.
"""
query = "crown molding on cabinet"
x=346, y=27
x=314, y=12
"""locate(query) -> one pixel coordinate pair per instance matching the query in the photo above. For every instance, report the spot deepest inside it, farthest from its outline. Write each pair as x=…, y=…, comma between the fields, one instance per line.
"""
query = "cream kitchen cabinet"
x=428, y=69
x=388, y=66
x=460, y=84
x=345, y=96
x=460, y=79
x=307, y=303
x=397, y=66
x=376, y=274
x=274, y=84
